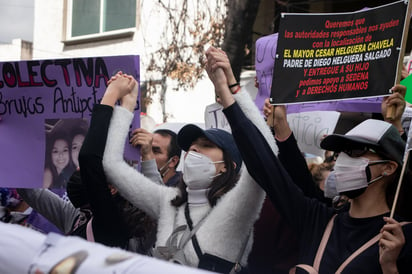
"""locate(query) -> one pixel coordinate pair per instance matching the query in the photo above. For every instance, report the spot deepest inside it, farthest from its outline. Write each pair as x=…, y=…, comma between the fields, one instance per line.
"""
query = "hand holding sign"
x=277, y=118
x=391, y=109
x=395, y=103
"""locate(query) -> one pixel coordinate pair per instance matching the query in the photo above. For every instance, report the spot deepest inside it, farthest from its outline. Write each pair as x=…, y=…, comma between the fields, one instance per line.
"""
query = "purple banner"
x=45, y=107
x=264, y=63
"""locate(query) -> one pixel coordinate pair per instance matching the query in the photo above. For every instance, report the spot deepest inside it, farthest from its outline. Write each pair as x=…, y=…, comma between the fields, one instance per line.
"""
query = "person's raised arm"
x=144, y=139
x=279, y=120
x=107, y=216
x=255, y=142
x=58, y=211
x=290, y=154
x=132, y=185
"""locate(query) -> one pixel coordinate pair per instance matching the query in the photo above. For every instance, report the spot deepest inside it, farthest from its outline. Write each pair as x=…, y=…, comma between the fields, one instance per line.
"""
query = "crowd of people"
x=245, y=201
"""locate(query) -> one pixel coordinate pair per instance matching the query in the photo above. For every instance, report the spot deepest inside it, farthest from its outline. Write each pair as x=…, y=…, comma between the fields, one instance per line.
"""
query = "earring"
x=385, y=174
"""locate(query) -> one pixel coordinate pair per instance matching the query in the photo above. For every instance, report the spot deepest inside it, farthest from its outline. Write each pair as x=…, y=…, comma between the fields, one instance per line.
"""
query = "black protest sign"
x=325, y=57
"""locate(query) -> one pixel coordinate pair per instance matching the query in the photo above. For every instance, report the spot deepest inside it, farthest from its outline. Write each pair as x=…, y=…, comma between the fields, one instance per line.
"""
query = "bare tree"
x=190, y=26
x=239, y=25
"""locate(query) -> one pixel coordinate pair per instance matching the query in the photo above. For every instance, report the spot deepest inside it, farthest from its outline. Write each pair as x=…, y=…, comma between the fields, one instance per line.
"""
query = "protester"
x=161, y=149
x=210, y=208
x=61, y=213
x=275, y=243
x=114, y=221
x=13, y=209
x=366, y=169
x=27, y=251
x=291, y=156
x=96, y=211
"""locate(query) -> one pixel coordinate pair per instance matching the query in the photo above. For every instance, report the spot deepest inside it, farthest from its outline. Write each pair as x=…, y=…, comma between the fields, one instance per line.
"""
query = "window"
x=94, y=17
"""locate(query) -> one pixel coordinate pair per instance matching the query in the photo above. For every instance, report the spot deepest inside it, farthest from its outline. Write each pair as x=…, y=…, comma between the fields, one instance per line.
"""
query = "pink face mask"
x=353, y=173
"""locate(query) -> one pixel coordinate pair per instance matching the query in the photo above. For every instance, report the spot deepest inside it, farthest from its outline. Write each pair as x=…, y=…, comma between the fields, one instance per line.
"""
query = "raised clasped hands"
x=220, y=73
x=125, y=88
x=216, y=63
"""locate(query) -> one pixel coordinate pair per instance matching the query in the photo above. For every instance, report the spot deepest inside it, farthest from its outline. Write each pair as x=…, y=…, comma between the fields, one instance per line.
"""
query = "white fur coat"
x=229, y=223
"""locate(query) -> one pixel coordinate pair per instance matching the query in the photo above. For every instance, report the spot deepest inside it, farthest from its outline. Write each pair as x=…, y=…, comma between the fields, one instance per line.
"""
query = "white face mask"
x=165, y=169
x=199, y=170
x=351, y=173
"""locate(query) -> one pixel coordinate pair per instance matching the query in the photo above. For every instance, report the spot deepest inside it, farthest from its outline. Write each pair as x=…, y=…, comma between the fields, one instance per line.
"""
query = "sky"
x=16, y=20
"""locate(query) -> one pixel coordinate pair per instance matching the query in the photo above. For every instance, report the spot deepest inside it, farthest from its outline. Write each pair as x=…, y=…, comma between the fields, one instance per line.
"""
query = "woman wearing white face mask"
x=207, y=221
x=361, y=240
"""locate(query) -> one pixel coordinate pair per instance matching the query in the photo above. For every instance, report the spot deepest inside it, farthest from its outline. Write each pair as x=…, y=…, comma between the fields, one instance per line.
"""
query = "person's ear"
x=390, y=168
x=223, y=169
x=113, y=190
x=173, y=162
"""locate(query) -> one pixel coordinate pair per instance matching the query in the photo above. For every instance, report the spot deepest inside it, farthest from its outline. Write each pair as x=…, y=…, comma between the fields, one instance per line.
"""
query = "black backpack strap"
x=195, y=243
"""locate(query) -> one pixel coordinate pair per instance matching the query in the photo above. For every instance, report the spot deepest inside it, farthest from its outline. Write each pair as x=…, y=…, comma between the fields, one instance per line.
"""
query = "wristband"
x=236, y=90
x=234, y=85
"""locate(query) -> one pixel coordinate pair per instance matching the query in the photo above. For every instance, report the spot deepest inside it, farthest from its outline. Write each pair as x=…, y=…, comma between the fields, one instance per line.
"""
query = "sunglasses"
x=332, y=158
x=358, y=152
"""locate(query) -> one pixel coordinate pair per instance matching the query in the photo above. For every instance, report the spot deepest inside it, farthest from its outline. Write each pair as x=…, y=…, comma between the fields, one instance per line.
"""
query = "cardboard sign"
x=214, y=117
x=265, y=60
x=310, y=127
x=336, y=56
x=45, y=106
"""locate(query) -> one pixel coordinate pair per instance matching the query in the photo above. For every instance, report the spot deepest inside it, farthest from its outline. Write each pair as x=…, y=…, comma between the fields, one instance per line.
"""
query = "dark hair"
x=138, y=224
x=317, y=171
x=220, y=185
x=173, y=149
x=79, y=127
x=137, y=221
x=404, y=203
x=59, y=180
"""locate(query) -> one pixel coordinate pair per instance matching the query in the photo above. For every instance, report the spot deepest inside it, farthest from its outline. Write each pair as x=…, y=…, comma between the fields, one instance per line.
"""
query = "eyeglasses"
x=377, y=162
x=358, y=152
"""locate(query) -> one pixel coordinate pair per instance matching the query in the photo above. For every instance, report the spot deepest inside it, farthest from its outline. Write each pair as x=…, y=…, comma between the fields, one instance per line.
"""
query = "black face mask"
x=351, y=194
